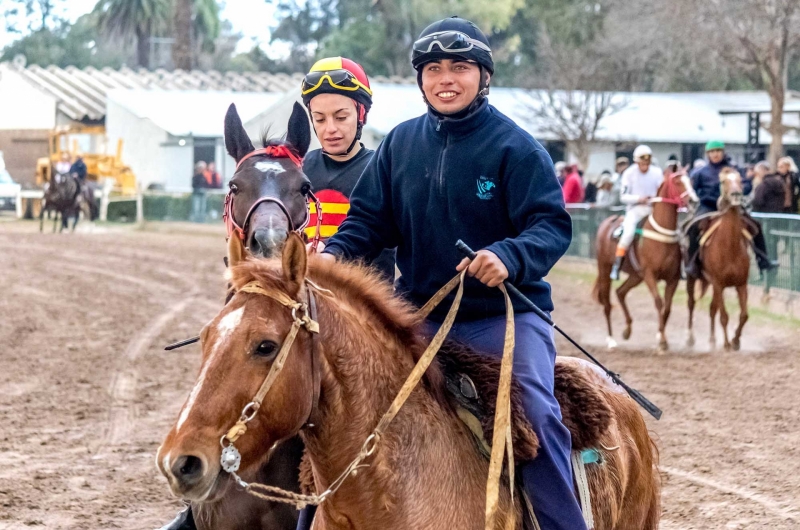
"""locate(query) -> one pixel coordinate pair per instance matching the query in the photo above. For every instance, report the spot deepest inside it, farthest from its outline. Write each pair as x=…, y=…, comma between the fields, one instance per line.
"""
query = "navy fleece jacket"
x=480, y=178
x=705, y=182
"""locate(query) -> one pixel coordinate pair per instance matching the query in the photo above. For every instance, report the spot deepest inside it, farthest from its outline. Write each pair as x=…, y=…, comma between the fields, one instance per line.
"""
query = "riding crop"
x=645, y=403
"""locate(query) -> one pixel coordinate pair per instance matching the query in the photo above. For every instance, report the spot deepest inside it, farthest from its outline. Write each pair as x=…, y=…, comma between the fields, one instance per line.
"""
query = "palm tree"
x=195, y=22
x=139, y=19
x=182, y=26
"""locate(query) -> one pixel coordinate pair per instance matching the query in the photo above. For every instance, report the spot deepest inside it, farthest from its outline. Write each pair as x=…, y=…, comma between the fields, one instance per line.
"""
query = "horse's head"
x=730, y=187
x=677, y=188
x=240, y=347
x=268, y=192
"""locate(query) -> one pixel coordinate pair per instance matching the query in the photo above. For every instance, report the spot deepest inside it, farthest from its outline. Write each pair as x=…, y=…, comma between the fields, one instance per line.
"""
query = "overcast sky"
x=252, y=18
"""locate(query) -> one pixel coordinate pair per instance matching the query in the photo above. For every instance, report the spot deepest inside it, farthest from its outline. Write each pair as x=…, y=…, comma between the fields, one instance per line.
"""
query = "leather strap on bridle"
x=316, y=368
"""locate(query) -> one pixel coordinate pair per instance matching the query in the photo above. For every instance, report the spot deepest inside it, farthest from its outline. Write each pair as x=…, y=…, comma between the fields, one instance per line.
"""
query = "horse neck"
x=666, y=215
x=364, y=367
x=730, y=230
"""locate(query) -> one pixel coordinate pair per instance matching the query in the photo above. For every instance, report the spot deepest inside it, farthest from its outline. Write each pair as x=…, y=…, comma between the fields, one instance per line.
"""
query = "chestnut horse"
x=426, y=471
x=657, y=252
x=726, y=263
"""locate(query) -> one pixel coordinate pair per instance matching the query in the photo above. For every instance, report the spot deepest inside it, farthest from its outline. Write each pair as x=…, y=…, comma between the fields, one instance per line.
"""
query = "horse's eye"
x=305, y=188
x=266, y=348
x=233, y=187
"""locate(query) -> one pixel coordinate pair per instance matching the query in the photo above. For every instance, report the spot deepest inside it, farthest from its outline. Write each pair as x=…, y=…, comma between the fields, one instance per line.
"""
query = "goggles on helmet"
x=447, y=41
x=338, y=79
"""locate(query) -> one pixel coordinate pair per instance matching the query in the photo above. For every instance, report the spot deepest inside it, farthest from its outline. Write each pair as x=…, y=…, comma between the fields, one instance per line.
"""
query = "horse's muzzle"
x=267, y=242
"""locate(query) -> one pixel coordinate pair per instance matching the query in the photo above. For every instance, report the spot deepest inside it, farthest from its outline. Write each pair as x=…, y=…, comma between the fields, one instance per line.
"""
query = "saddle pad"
x=584, y=410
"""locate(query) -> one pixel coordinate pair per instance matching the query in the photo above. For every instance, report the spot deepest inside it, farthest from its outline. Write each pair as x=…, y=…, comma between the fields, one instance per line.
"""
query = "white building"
x=169, y=120
x=166, y=132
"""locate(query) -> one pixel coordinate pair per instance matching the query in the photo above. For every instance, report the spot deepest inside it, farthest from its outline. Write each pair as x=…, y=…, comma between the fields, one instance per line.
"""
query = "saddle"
x=471, y=381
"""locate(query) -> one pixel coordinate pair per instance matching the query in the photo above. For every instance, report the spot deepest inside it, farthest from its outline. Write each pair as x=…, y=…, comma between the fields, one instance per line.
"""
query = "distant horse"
x=654, y=257
x=62, y=196
x=726, y=263
x=267, y=200
x=426, y=471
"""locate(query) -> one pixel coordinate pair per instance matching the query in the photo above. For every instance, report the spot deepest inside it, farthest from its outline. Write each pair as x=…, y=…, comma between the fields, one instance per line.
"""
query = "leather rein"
x=240, y=231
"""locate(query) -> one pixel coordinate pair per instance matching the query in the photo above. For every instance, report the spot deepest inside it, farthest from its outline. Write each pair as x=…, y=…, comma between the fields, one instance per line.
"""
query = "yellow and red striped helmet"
x=337, y=75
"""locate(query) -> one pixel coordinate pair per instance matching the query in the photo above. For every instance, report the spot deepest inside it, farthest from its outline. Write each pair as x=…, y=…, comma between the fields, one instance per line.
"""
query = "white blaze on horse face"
x=224, y=329
x=266, y=166
x=687, y=183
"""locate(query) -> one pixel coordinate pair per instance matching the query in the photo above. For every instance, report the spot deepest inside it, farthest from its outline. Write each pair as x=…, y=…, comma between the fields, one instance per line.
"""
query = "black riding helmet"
x=452, y=38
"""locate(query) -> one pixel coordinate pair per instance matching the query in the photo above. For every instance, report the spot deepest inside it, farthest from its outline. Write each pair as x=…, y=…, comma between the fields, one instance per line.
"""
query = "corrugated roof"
x=176, y=112
x=81, y=93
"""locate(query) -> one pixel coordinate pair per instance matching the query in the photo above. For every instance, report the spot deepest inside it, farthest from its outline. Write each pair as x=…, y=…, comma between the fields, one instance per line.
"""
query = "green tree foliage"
x=79, y=44
x=30, y=15
x=134, y=20
x=376, y=33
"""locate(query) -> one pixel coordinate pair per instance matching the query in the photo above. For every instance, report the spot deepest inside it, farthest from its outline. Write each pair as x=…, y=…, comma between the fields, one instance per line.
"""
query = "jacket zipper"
x=440, y=168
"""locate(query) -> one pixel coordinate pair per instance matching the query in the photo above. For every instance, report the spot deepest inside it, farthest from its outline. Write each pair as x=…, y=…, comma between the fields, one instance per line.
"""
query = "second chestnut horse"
x=655, y=256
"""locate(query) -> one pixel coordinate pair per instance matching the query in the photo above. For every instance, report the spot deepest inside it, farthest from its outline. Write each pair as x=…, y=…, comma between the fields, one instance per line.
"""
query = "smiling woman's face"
x=450, y=86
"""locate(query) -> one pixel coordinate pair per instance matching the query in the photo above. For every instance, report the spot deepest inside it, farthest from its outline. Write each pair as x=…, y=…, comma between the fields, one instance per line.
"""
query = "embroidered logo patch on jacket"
x=485, y=187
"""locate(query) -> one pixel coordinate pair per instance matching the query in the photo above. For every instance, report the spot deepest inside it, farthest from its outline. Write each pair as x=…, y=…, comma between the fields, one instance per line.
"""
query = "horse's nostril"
x=267, y=242
x=188, y=469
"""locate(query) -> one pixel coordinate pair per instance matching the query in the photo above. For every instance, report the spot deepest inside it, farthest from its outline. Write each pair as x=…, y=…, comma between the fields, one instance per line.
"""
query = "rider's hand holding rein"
x=486, y=267
x=644, y=200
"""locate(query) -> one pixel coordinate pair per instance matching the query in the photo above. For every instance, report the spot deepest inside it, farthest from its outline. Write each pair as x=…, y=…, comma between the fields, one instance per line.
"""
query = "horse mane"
x=268, y=140
x=359, y=283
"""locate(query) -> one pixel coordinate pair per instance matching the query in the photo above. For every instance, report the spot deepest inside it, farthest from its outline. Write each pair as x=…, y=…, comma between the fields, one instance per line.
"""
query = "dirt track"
x=86, y=393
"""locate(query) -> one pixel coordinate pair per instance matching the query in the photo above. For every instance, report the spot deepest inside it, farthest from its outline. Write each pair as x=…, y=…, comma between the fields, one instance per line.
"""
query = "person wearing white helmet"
x=639, y=184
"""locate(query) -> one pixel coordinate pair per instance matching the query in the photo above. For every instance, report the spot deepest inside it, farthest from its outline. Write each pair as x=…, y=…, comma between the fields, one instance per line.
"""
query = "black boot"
x=617, y=267
x=765, y=265
x=692, y=268
x=184, y=521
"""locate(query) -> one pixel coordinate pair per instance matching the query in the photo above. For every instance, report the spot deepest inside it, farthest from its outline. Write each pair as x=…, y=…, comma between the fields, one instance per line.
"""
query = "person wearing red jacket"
x=573, y=186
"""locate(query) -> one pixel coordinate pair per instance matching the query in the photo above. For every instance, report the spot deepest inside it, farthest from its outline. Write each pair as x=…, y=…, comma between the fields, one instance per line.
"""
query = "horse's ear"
x=299, y=132
x=237, y=142
x=295, y=262
x=235, y=251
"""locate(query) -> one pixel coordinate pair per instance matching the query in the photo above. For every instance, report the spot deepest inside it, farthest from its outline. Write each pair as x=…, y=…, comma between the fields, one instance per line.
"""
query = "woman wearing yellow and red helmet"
x=329, y=84
x=338, y=97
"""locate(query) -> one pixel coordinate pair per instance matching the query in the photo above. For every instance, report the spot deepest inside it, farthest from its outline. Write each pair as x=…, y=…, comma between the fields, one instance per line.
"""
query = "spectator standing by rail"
x=573, y=185
x=769, y=195
x=607, y=191
x=199, y=187
x=213, y=180
x=787, y=170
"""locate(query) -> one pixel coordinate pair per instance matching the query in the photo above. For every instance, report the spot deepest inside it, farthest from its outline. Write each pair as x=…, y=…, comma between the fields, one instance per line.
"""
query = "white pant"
x=632, y=218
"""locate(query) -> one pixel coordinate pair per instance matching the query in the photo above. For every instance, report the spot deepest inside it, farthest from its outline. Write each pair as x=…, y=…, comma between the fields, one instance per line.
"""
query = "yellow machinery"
x=99, y=164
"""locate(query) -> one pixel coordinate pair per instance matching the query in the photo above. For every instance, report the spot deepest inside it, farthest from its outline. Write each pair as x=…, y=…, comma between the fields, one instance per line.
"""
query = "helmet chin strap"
x=483, y=91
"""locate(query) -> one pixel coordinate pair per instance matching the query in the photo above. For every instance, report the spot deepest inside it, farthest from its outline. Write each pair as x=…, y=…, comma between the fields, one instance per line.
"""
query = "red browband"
x=273, y=151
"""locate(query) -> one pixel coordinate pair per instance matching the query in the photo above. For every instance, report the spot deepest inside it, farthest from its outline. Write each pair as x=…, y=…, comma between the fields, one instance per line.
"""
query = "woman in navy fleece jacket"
x=466, y=171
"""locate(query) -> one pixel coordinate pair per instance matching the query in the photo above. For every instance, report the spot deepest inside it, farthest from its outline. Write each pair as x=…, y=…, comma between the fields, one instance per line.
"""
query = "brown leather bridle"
x=233, y=228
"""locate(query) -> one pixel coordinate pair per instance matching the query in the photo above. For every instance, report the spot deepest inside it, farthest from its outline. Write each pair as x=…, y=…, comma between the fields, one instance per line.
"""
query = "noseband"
x=233, y=228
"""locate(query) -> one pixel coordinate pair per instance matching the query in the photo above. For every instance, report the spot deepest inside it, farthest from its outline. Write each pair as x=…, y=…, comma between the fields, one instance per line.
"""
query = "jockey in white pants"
x=639, y=184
